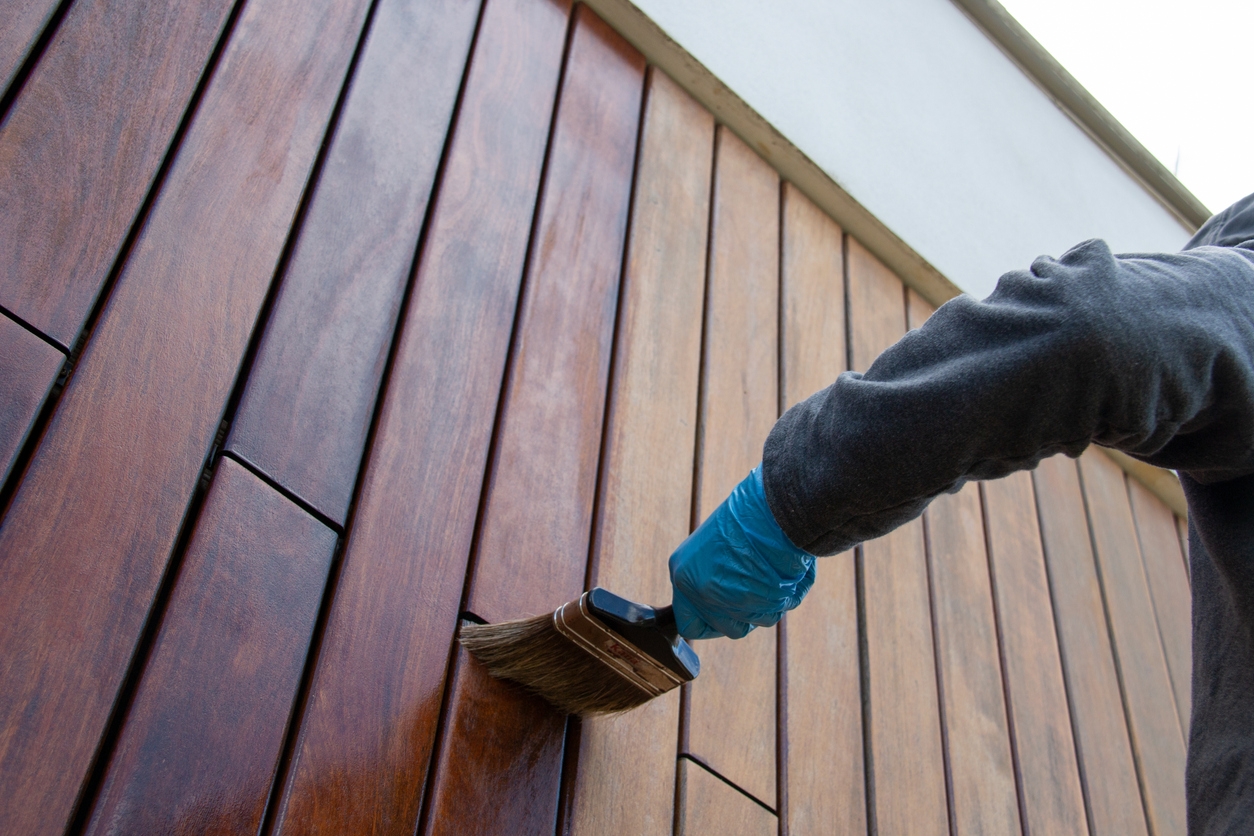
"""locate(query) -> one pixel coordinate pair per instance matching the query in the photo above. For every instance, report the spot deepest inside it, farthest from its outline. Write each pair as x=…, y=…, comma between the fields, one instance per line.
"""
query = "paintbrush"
x=598, y=654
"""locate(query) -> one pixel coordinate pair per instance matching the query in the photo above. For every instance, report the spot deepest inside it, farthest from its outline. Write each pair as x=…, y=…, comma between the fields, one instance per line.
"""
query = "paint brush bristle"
x=599, y=654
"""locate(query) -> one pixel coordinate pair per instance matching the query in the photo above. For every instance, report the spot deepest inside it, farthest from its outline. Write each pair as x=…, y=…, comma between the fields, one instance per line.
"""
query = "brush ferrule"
x=583, y=629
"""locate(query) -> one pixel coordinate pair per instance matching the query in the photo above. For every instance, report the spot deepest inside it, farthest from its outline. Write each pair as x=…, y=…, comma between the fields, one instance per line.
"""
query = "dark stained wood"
x=708, y=805
x=907, y=770
x=365, y=741
x=1045, y=754
x=1157, y=738
x=85, y=138
x=1107, y=772
x=823, y=735
x=201, y=741
x=983, y=795
x=626, y=777
x=305, y=414
x=23, y=24
x=28, y=368
x=1168, y=580
x=537, y=516
x=90, y=530
x=731, y=723
x=508, y=783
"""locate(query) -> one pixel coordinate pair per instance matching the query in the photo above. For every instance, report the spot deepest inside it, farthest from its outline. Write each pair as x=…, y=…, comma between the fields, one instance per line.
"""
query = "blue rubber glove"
x=738, y=570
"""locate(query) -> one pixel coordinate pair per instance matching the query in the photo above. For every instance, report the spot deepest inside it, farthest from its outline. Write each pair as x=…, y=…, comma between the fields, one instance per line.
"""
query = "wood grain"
x=907, y=769
x=918, y=309
x=1157, y=738
x=1166, y=573
x=537, y=516
x=708, y=805
x=731, y=707
x=199, y=758
x=28, y=368
x=823, y=732
x=625, y=782
x=24, y=22
x=366, y=737
x=90, y=530
x=1108, y=775
x=983, y=795
x=1045, y=752
x=80, y=148
x=1182, y=527
x=312, y=389
x=509, y=785
x=812, y=291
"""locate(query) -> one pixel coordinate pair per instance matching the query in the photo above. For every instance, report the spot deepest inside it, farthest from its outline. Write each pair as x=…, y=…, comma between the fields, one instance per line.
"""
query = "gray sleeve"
x=1149, y=354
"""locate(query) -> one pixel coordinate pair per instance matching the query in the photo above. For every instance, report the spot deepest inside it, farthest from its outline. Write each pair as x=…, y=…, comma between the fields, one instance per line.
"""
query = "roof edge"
x=1078, y=103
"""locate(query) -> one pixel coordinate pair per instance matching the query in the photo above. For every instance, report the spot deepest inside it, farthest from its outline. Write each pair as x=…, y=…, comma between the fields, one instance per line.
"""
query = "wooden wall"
x=325, y=324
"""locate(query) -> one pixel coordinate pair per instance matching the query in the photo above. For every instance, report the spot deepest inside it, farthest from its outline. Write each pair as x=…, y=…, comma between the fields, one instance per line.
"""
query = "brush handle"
x=666, y=622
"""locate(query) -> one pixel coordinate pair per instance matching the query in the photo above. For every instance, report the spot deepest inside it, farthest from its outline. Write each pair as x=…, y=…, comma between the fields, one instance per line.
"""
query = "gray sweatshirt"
x=1151, y=354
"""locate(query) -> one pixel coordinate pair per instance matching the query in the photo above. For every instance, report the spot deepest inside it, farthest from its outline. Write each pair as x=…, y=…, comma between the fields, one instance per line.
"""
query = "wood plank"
x=625, y=782
x=1045, y=752
x=537, y=516
x=1157, y=739
x=1107, y=773
x=361, y=759
x=918, y=309
x=906, y=770
x=1166, y=573
x=731, y=707
x=80, y=148
x=28, y=368
x=89, y=532
x=23, y=25
x=500, y=764
x=240, y=617
x=823, y=731
x=812, y=284
x=313, y=386
x=1182, y=527
x=709, y=805
x=983, y=793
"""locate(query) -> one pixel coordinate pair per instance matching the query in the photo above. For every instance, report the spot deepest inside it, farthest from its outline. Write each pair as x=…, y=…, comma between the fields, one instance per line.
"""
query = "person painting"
x=1150, y=354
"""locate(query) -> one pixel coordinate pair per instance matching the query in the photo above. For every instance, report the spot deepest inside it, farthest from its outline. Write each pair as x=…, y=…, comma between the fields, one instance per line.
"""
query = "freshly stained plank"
x=23, y=24
x=1107, y=773
x=201, y=742
x=90, y=530
x=907, y=769
x=982, y=781
x=306, y=410
x=369, y=725
x=83, y=142
x=1157, y=738
x=500, y=765
x=28, y=368
x=537, y=516
x=1045, y=753
x=823, y=749
x=1169, y=587
x=731, y=706
x=625, y=782
x=708, y=805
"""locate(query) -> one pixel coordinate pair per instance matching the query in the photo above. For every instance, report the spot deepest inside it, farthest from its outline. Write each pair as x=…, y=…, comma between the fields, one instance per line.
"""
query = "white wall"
x=911, y=109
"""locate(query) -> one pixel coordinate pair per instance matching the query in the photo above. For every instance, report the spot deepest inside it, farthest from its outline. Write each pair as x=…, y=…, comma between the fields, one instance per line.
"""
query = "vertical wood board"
x=731, y=707
x=708, y=805
x=200, y=744
x=625, y=782
x=80, y=148
x=28, y=368
x=24, y=24
x=1045, y=752
x=90, y=530
x=312, y=389
x=365, y=741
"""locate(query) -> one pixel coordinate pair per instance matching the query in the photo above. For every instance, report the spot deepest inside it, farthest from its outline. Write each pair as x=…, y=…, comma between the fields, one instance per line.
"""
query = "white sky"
x=1176, y=74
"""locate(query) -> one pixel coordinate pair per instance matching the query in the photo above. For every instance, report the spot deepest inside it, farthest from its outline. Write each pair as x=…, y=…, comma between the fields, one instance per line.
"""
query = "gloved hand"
x=738, y=569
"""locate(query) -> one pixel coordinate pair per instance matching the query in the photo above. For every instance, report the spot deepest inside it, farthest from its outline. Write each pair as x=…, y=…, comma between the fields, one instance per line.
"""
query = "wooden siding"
x=326, y=325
